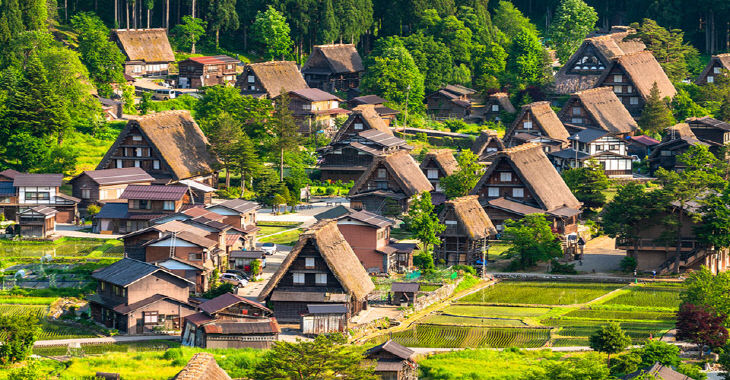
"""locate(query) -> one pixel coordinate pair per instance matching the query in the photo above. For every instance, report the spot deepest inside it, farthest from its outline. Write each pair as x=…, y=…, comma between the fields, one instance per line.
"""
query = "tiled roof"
x=315, y=94
x=154, y=192
x=239, y=205
x=27, y=179
x=117, y=176
x=127, y=271
x=227, y=300
x=369, y=218
x=336, y=308
x=406, y=287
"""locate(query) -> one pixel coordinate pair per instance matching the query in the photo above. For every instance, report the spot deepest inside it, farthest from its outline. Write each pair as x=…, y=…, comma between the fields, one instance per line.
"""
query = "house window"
x=617, y=89
x=252, y=88
x=666, y=153
x=337, y=151
x=613, y=147
x=432, y=173
x=710, y=79
x=634, y=100
x=102, y=286
x=527, y=125
x=156, y=164
x=495, y=107
x=382, y=185
x=195, y=256
x=489, y=150
x=136, y=163
x=168, y=205
x=251, y=79
x=117, y=291
x=119, y=164
x=150, y=317
x=228, y=67
x=716, y=70
x=629, y=89
x=321, y=279
x=138, y=152
x=576, y=110
x=381, y=173
x=144, y=204
x=85, y=193
x=505, y=177
x=137, y=68
x=450, y=222
x=136, y=138
x=518, y=192
x=298, y=278
x=37, y=196
x=576, y=120
x=618, y=78
x=309, y=262
x=358, y=126
x=493, y=191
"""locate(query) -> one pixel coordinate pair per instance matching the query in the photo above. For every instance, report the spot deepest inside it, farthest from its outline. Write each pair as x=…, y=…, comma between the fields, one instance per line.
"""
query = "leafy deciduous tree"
x=701, y=326
x=610, y=339
x=189, y=32
x=588, y=183
x=423, y=222
x=532, y=241
x=461, y=182
x=272, y=33
x=573, y=20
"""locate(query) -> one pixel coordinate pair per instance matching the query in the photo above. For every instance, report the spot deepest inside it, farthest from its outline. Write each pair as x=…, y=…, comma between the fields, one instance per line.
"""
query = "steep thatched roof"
x=341, y=58
x=605, y=108
x=148, y=45
x=336, y=252
x=443, y=158
x=202, y=366
x=538, y=174
x=278, y=76
x=487, y=136
x=644, y=71
x=541, y=114
x=178, y=138
x=471, y=216
x=370, y=118
x=722, y=59
x=679, y=131
x=503, y=99
x=402, y=167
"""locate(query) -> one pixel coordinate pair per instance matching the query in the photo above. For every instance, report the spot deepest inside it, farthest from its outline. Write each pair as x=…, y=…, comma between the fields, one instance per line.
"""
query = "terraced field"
x=539, y=293
x=49, y=330
x=428, y=335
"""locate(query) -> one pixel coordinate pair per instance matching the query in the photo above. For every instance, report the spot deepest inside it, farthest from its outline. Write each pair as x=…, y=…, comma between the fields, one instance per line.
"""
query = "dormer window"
x=527, y=125
x=618, y=78
x=309, y=262
x=358, y=126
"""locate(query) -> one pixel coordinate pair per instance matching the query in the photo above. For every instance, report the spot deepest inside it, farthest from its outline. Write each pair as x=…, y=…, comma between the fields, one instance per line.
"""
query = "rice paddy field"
x=62, y=248
x=543, y=314
x=49, y=330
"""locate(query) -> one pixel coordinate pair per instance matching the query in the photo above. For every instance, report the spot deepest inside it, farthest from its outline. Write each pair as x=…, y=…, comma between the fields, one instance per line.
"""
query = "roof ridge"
x=520, y=148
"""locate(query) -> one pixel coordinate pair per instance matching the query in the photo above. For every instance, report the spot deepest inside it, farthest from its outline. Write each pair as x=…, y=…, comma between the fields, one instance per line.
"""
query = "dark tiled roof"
x=125, y=309
x=125, y=271
x=189, y=237
x=154, y=192
x=588, y=135
x=227, y=300
x=367, y=99
x=204, y=220
x=645, y=140
x=336, y=308
x=247, y=254
x=113, y=211
x=406, y=287
x=118, y=176
x=315, y=94
x=381, y=138
x=43, y=210
x=369, y=218
x=403, y=247
x=393, y=348
x=254, y=326
x=334, y=213
x=569, y=154
x=26, y=179
x=10, y=173
x=238, y=205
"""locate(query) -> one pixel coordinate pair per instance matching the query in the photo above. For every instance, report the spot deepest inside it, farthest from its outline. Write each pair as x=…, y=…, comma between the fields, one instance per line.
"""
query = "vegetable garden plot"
x=649, y=296
x=540, y=293
x=602, y=314
x=427, y=335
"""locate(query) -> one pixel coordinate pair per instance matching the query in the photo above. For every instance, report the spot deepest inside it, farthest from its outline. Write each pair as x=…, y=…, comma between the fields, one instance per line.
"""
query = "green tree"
x=393, y=74
x=527, y=61
x=271, y=31
x=100, y=55
x=588, y=183
x=702, y=326
x=610, y=339
x=511, y=22
x=222, y=15
x=432, y=57
x=188, y=33
x=286, y=135
x=656, y=115
x=463, y=180
x=573, y=21
x=224, y=137
x=423, y=222
x=489, y=66
x=683, y=106
x=703, y=288
x=329, y=28
x=249, y=164
x=11, y=21
x=715, y=216
x=19, y=334
x=532, y=241
x=668, y=47
x=327, y=357
x=145, y=103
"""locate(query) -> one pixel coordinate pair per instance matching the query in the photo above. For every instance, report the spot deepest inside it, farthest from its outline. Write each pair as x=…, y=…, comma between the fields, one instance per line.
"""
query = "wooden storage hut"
x=325, y=319
x=393, y=361
x=38, y=222
x=539, y=122
x=717, y=66
x=467, y=229
x=404, y=292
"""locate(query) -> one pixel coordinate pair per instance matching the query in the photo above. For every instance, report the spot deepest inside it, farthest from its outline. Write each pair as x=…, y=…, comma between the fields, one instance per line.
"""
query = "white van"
x=164, y=94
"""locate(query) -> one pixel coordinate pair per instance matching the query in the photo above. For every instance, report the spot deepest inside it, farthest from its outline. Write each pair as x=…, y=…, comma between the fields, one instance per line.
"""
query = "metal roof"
x=128, y=271
x=43, y=210
x=247, y=254
x=405, y=287
x=369, y=218
x=227, y=300
x=26, y=179
x=197, y=185
x=227, y=59
x=393, y=348
x=368, y=99
x=7, y=189
x=117, y=176
x=207, y=60
x=238, y=205
x=336, y=308
x=569, y=154
x=334, y=213
x=113, y=211
x=381, y=138
x=154, y=192
x=587, y=135
x=315, y=94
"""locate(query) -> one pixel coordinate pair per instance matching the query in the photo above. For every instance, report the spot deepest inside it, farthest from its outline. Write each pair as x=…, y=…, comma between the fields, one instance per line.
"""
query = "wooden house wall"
x=441, y=107
x=349, y=157
x=350, y=130
x=535, y=129
x=157, y=283
x=126, y=152
x=143, y=69
x=250, y=88
x=714, y=134
x=490, y=114
x=169, y=315
x=716, y=66
x=625, y=90
x=506, y=187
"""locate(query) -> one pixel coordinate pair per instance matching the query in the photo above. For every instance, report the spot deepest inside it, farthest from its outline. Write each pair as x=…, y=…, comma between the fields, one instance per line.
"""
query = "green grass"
x=427, y=335
x=540, y=293
x=495, y=311
x=497, y=248
x=71, y=248
x=621, y=315
x=264, y=231
x=442, y=319
x=21, y=300
x=96, y=349
x=483, y=364
x=91, y=148
x=648, y=296
x=638, y=331
x=467, y=282
x=285, y=238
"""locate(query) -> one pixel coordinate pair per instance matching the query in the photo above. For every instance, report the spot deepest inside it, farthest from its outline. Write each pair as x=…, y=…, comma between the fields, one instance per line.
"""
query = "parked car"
x=239, y=273
x=234, y=279
x=269, y=248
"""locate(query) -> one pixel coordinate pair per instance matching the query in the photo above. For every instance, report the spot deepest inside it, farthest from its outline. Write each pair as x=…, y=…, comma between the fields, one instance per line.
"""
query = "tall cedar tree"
x=668, y=47
x=224, y=136
x=222, y=16
x=393, y=74
x=189, y=32
x=630, y=211
x=532, y=241
x=462, y=181
x=11, y=21
x=701, y=326
x=510, y=21
x=249, y=164
x=573, y=21
x=702, y=173
x=588, y=183
x=656, y=115
x=101, y=56
x=610, y=339
x=285, y=130
x=327, y=357
x=423, y=222
x=271, y=31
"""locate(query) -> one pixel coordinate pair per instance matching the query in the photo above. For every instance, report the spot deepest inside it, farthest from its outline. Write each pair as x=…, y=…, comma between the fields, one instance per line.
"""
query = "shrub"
x=628, y=264
x=330, y=190
x=558, y=268
x=172, y=354
x=93, y=209
x=424, y=261
x=464, y=268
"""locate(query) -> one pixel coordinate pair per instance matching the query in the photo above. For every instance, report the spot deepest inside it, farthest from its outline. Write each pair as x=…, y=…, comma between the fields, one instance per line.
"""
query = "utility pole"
x=485, y=253
x=405, y=117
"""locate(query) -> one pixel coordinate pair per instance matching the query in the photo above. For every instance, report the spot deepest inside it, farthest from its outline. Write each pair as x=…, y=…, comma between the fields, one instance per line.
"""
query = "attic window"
x=618, y=78
x=321, y=279
x=358, y=126
x=450, y=222
x=576, y=111
x=527, y=125
x=136, y=138
x=634, y=100
x=381, y=173
x=156, y=164
x=491, y=150
x=617, y=89
x=710, y=79
x=432, y=174
x=298, y=278
x=505, y=177
x=518, y=192
x=119, y=164
x=716, y=70
x=251, y=79
x=309, y=262
x=493, y=192
x=495, y=107
x=576, y=120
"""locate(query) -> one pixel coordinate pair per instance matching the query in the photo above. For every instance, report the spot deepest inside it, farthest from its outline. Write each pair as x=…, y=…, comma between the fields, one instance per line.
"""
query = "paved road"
x=111, y=339
x=273, y=262
x=72, y=230
x=600, y=256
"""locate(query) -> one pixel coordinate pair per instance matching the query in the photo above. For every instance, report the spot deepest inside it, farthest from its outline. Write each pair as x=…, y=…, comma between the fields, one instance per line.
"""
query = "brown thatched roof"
x=503, y=99
x=487, y=136
x=444, y=158
x=336, y=252
x=644, y=71
x=278, y=76
x=148, y=45
x=541, y=114
x=178, y=138
x=403, y=168
x=538, y=174
x=202, y=366
x=605, y=108
x=680, y=130
x=722, y=59
x=370, y=118
x=341, y=58
x=471, y=216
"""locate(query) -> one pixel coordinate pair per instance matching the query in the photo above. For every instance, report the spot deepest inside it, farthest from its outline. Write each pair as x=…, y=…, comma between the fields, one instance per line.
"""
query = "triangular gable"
x=542, y=117
x=402, y=168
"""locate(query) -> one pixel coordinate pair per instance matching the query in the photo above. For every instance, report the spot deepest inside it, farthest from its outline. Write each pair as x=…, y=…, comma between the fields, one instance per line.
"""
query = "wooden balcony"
x=687, y=245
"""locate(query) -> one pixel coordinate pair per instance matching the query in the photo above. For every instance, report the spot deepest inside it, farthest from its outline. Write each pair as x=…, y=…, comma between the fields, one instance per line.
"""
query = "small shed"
x=242, y=259
x=39, y=221
x=404, y=292
x=393, y=361
x=325, y=319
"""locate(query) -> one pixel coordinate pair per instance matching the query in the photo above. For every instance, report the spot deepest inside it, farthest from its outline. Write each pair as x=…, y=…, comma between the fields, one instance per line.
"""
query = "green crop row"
x=427, y=335
x=540, y=293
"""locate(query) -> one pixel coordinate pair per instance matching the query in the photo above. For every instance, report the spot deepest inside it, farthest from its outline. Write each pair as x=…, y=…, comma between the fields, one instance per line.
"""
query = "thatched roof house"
x=335, y=67
x=470, y=216
x=584, y=68
x=537, y=119
x=148, y=51
x=467, y=225
x=715, y=67
x=522, y=180
x=495, y=106
x=390, y=180
x=487, y=145
x=599, y=108
x=270, y=79
x=643, y=70
x=439, y=164
x=362, y=118
x=202, y=366
x=393, y=361
x=326, y=257
x=170, y=146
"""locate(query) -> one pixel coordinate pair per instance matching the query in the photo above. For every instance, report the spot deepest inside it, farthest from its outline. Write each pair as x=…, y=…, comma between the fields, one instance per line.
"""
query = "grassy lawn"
x=483, y=364
x=540, y=293
x=64, y=247
x=286, y=238
x=264, y=231
x=495, y=311
x=91, y=149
